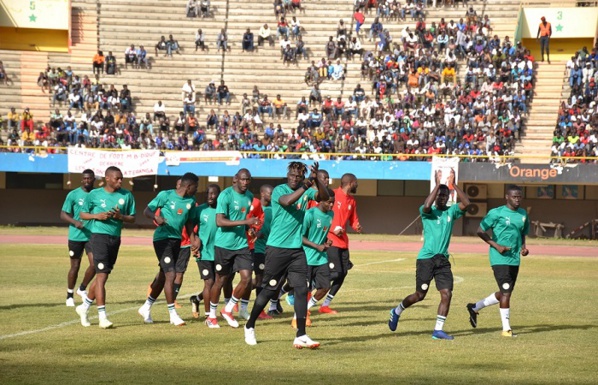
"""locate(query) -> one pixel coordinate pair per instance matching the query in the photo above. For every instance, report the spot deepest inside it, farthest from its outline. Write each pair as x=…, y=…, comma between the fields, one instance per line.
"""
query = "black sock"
x=177, y=287
x=69, y=295
x=82, y=287
x=260, y=303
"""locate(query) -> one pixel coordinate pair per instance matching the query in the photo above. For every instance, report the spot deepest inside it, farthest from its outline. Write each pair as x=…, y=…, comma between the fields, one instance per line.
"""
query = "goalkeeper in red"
x=433, y=259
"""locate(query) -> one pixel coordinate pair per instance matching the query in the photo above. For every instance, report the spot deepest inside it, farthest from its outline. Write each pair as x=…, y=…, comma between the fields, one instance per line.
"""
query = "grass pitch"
x=553, y=311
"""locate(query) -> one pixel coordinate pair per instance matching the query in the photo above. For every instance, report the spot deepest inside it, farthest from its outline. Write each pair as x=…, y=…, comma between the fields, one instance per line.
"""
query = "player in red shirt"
x=345, y=211
x=254, y=211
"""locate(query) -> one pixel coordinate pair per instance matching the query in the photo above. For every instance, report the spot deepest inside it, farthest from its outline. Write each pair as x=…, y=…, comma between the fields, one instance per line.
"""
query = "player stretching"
x=345, y=210
x=284, y=253
x=205, y=219
x=510, y=225
x=433, y=259
x=176, y=211
x=78, y=237
x=231, y=253
x=107, y=208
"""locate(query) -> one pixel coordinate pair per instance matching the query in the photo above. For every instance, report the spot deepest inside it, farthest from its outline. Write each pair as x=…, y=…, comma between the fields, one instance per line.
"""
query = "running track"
x=456, y=248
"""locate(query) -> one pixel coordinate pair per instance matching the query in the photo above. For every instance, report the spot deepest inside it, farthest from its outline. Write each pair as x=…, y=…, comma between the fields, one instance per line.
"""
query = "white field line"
x=74, y=322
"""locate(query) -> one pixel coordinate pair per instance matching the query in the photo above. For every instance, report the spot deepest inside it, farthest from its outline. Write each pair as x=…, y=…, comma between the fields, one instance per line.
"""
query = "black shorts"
x=105, y=252
x=207, y=269
x=338, y=260
x=76, y=248
x=281, y=264
x=438, y=268
x=259, y=262
x=506, y=277
x=230, y=261
x=318, y=277
x=183, y=260
x=167, y=251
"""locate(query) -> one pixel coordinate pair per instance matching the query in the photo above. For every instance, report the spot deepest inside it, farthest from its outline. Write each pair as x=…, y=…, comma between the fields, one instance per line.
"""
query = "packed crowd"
x=418, y=105
x=576, y=131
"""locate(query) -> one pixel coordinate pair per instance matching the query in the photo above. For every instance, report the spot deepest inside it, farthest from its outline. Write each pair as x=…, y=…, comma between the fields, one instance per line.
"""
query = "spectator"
x=247, y=44
x=200, y=40
x=192, y=9
x=265, y=107
x=188, y=88
x=331, y=48
x=223, y=93
x=265, y=34
x=162, y=45
x=172, y=45
x=159, y=110
x=142, y=58
x=189, y=103
x=282, y=28
x=98, y=63
x=204, y=8
x=110, y=64
x=210, y=93
x=295, y=26
x=280, y=106
x=130, y=56
x=222, y=40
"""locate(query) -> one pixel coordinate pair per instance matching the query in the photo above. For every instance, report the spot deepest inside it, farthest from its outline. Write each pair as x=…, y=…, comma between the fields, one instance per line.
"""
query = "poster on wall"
x=131, y=163
x=545, y=192
x=570, y=191
x=448, y=168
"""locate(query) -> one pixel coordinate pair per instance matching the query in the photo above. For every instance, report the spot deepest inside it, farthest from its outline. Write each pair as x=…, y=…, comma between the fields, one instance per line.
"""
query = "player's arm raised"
x=464, y=201
x=430, y=199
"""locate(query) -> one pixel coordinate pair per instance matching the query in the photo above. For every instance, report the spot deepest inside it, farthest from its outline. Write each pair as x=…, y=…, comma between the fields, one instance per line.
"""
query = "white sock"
x=87, y=304
x=439, y=322
x=328, y=299
x=171, y=309
x=244, y=304
x=231, y=304
x=102, y=312
x=488, y=301
x=312, y=302
x=149, y=302
x=272, y=305
x=70, y=291
x=213, y=307
x=504, y=317
x=399, y=309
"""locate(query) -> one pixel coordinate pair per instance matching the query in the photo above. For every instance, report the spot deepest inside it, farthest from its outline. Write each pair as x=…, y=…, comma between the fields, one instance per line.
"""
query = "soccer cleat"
x=305, y=342
x=508, y=333
x=105, y=323
x=250, y=336
x=194, y=306
x=327, y=310
x=264, y=315
x=243, y=313
x=212, y=323
x=473, y=315
x=393, y=321
x=82, y=294
x=441, y=335
x=82, y=311
x=232, y=322
x=176, y=320
x=294, y=323
x=70, y=302
x=145, y=313
x=290, y=299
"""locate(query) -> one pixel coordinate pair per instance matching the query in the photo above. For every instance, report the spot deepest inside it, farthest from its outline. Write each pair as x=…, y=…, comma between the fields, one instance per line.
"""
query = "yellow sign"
x=41, y=14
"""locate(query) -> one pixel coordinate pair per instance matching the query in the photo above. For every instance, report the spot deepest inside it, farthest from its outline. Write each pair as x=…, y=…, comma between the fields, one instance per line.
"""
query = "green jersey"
x=260, y=243
x=235, y=207
x=287, y=221
x=205, y=218
x=176, y=211
x=438, y=228
x=72, y=205
x=100, y=201
x=508, y=229
x=316, y=225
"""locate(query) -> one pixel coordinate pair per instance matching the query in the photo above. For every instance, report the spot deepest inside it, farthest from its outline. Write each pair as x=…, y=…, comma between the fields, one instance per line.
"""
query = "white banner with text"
x=131, y=163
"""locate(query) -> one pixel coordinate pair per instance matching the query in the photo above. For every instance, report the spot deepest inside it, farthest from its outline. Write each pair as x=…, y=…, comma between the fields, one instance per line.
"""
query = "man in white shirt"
x=265, y=34
x=159, y=110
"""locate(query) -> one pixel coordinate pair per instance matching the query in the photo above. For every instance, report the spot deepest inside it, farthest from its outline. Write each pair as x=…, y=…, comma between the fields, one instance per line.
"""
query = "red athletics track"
x=457, y=248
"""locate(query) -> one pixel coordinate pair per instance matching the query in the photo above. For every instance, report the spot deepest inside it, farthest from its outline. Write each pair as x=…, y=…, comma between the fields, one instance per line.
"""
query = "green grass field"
x=553, y=311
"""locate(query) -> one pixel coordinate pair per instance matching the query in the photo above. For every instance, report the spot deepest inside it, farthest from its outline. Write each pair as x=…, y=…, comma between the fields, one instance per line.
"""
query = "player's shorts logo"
x=101, y=266
x=262, y=266
x=205, y=272
x=272, y=282
x=218, y=267
x=331, y=265
x=506, y=286
x=71, y=253
x=424, y=286
x=167, y=260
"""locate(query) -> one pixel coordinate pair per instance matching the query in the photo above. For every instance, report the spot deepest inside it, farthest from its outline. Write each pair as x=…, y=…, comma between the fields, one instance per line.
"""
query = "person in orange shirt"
x=345, y=210
x=98, y=63
x=544, y=34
